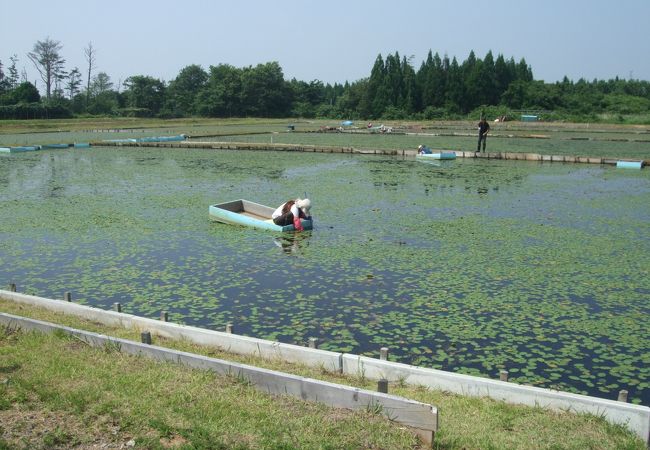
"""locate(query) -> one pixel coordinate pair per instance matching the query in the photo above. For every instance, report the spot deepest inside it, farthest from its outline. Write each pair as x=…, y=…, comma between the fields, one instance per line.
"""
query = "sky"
x=333, y=42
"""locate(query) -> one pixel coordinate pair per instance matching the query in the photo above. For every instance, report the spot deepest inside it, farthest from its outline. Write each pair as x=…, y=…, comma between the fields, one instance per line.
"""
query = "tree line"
x=440, y=88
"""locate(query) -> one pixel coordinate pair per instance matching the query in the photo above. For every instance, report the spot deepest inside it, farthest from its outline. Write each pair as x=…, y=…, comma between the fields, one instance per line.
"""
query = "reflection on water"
x=292, y=243
x=473, y=266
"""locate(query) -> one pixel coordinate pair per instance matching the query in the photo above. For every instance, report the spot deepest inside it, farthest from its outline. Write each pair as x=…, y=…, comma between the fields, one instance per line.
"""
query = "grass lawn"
x=55, y=392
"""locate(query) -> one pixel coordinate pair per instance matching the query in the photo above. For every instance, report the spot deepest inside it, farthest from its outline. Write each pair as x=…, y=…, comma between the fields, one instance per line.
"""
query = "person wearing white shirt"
x=291, y=212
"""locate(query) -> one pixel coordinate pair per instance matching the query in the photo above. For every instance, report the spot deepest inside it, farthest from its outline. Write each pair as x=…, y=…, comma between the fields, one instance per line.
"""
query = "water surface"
x=470, y=266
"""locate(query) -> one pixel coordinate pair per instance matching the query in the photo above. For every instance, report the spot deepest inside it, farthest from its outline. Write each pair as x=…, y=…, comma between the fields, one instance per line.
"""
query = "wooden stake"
x=145, y=336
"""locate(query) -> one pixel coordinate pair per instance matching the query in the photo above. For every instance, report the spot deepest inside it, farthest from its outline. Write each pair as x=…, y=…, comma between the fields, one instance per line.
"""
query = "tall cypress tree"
x=455, y=87
x=410, y=102
x=373, y=101
x=487, y=84
x=425, y=82
x=524, y=72
x=502, y=75
x=471, y=68
x=393, y=80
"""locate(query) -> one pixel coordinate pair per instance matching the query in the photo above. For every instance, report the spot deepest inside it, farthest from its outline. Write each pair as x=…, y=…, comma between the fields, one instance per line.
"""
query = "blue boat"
x=177, y=138
x=629, y=164
x=56, y=146
x=439, y=155
x=23, y=148
x=250, y=214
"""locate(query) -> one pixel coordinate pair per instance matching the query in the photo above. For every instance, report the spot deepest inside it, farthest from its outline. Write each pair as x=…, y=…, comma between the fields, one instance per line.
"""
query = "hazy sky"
x=331, y=41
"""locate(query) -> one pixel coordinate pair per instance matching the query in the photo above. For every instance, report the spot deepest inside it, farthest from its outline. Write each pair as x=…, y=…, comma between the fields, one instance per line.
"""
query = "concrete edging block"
x=422, y=417
x=635, y=417
x=233, y=343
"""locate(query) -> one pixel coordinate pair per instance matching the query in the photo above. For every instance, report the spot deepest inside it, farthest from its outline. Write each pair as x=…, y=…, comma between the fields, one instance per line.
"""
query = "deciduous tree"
x=13, y=72
x=183, y=90
x=264, y=91
x=144, y=92
x=73, y=82
x=48, y=62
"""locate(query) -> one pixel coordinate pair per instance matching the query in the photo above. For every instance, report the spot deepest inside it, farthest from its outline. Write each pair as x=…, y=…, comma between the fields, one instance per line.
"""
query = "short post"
x=229, y=328
x=145, y=337
x=382, y=385
x=622, y=396
x=503, y=375
x=383, y=353
x=312, y=342
x=12, y=287
x=164, y=316
x=117, y=307
x=67, y=296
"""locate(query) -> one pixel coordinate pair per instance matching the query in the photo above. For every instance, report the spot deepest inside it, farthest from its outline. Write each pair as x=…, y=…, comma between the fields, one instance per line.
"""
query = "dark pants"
x=481, y=138
x=284, y=219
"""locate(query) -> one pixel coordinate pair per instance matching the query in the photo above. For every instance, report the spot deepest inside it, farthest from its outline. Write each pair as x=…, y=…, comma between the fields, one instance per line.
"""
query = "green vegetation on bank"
x=58, y=393
x=441, y=87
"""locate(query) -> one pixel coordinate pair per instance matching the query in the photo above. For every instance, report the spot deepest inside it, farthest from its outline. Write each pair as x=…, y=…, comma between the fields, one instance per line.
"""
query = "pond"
x=468, y=265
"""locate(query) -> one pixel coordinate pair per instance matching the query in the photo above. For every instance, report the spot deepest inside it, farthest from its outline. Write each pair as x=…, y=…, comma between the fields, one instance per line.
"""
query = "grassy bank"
x=126, y=123
x=55, y=392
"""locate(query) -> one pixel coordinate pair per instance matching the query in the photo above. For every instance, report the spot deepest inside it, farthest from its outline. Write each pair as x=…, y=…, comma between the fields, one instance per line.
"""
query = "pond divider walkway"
x=260, y=146
x=423, y=418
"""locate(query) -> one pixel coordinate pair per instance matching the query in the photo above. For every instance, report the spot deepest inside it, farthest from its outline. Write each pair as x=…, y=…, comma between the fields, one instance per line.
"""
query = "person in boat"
x=291, y=212
x=424, y=150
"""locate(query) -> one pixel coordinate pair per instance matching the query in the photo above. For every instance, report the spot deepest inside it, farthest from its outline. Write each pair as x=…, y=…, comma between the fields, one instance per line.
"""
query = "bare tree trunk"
x=90, y=58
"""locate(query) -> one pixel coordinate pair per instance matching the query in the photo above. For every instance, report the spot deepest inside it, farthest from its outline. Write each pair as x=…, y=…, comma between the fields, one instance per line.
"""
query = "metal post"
x=383, y=353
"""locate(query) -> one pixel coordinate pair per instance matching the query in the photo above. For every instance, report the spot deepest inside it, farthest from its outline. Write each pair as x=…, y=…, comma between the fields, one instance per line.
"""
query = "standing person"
x=483, y=130
x=291, y=212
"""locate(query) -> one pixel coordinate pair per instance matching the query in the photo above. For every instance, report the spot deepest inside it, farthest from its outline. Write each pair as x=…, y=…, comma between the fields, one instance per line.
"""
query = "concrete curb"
x=226, y=341
x=423, y=418
x=635, y=417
